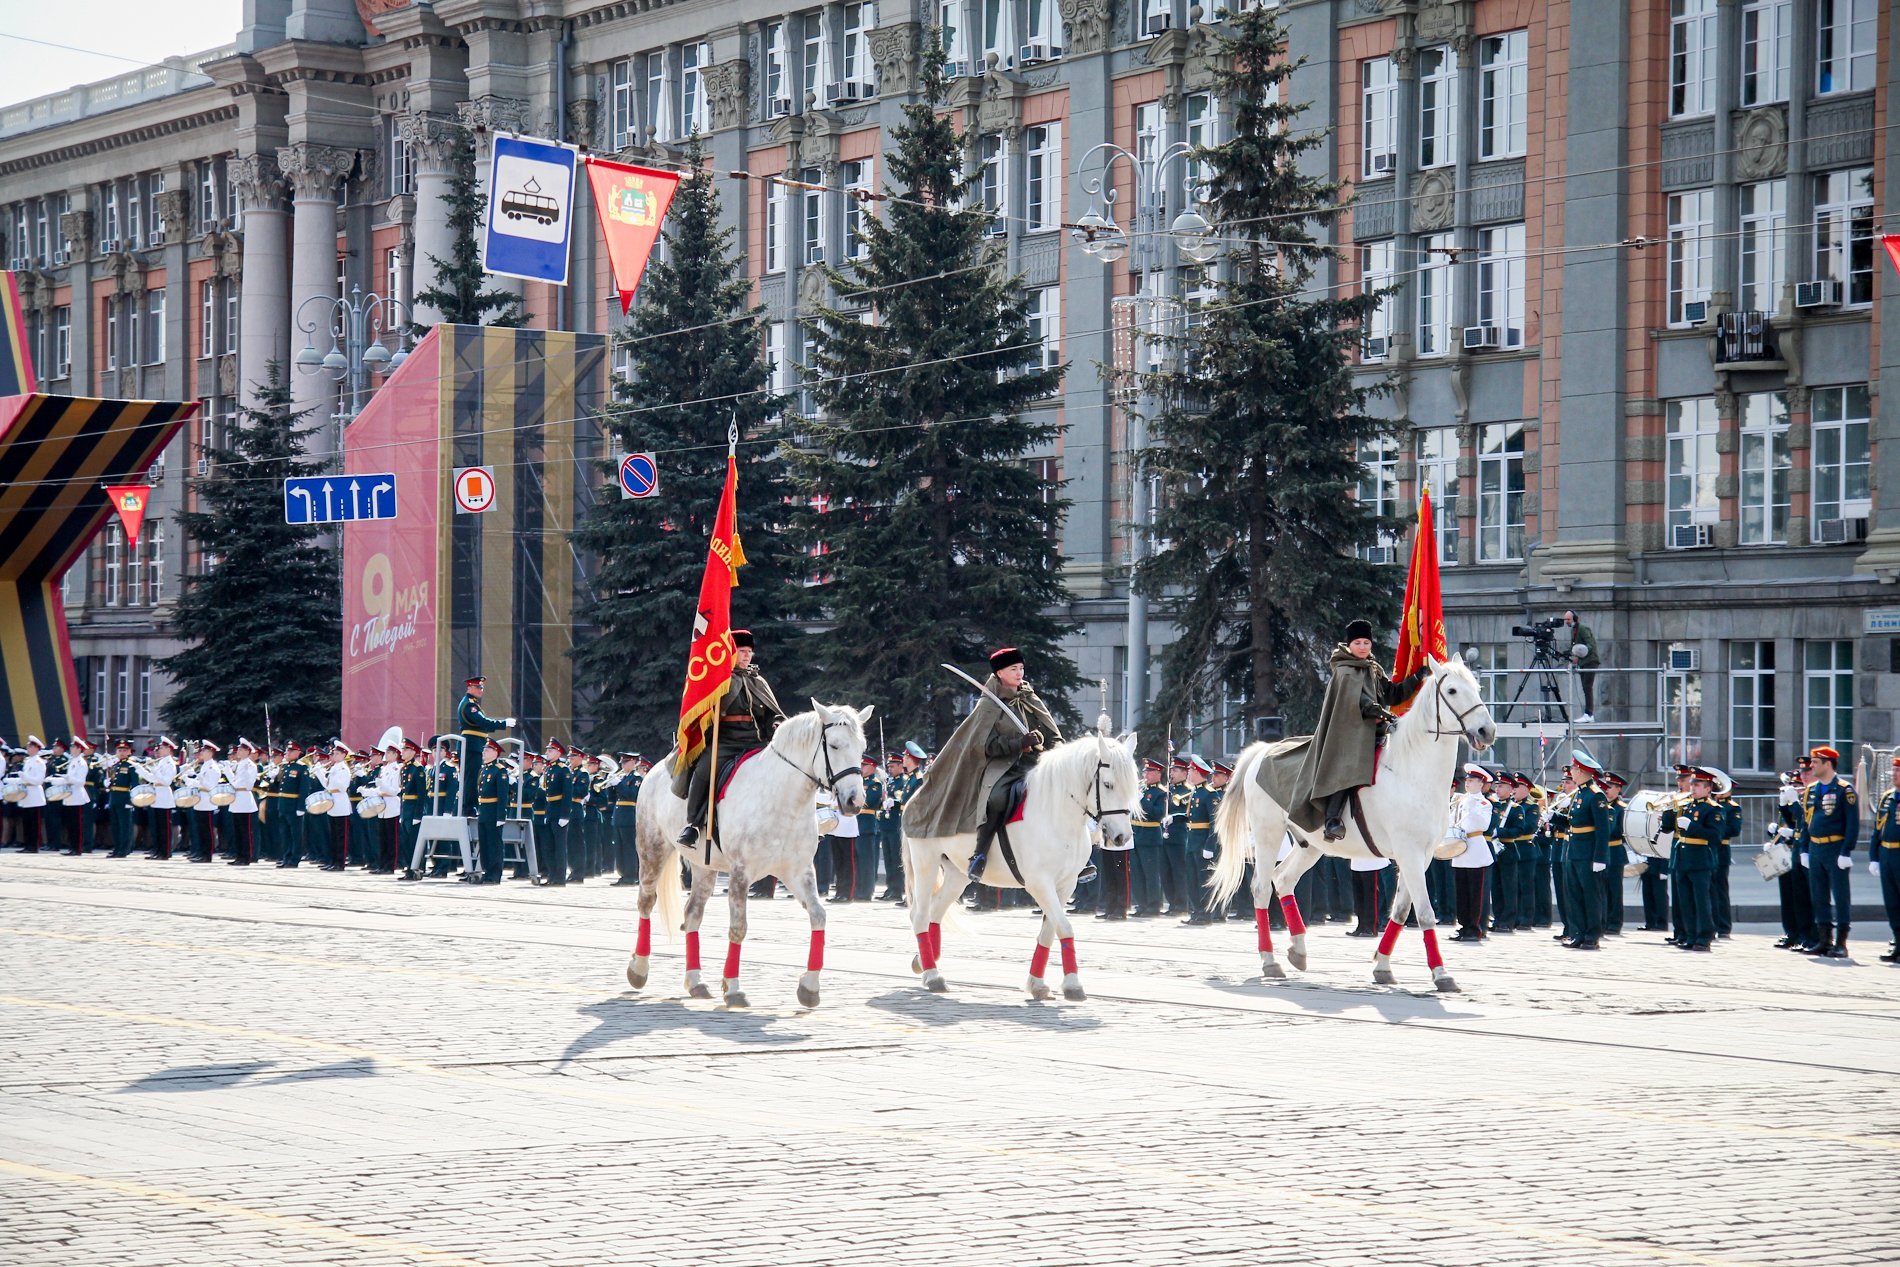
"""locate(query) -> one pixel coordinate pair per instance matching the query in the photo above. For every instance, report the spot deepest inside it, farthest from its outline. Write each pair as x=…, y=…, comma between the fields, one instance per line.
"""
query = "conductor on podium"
x=475, y=726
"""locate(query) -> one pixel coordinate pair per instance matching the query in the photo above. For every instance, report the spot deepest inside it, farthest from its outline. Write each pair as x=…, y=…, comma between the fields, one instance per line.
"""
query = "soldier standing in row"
x=1150, y=824
x=491, y=802
x=1201, y=803
x=890, y=828
x=626, y=818
x=1831, y=825
x=1884, y=845
x=1586, y=856
x=121, y=778
x=1797, y=906
x=1699, y=830
x=475, y=727
x=1611, y=877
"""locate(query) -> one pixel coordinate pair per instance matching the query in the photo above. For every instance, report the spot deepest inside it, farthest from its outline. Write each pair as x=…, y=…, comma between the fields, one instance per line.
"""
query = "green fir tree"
x=697, y=358
x=460, y=293
x=1257, y=440
x=261, y=618
x=940, y=537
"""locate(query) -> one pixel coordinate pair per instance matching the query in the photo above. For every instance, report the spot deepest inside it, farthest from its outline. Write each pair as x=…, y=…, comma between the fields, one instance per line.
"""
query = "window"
x=62, y=341
x=1433, y=279
x=142, y=665
x=1500, y=492
x=1148, y=125
x=134, y=194
x=154, y=327
x=154, y=186
x=134, y=329
x=1042, y=206
x=1844, y=232
x=1682, y=711
x=1691, y=464
x=857, y=181
x=774, y=227
x=778, y=361
x=993, y=183
x=1751, y=705
x=1829, y=674
x=1375, y=273
x=1692, y=51
x=817, y=65
x=1764, y=467
x=402, y=163
x=999, y=30
x=100, y=689
x=112, y=332
x=108, y=218
x=1764, y=244
x=1691, y=249
x=135, y=573
x=1438, y=470
x=153, y=538
x=813, y=216
x=1378, y=112
x=1844, y=52
x=956, y=37
x=692, y=114
x=1437, y=107
x=1492, y=665
x=1379, y=490
x=858, y=64
x=1503, y=94
x=1767, y=40
x=1840, y=453
x=115, y=559
x=1045, y=25
x=620, y=120
x=653, y=123
x=1203, y=125
x=1501, y=282
x=122, y=693
x=229, y=287
x=1045, y=325
x=775, y=86
x=207, y=318
x=396, y=275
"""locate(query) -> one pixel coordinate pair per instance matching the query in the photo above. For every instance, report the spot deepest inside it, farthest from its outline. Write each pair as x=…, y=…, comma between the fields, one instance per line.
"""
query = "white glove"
x=1599, y=866
x=510, y=722
x=1207, y=853
x=1786, y=833
x=1845, y=862
x=299, y=813
x=1804, y=857
x=563, y=822
x=1873, y=867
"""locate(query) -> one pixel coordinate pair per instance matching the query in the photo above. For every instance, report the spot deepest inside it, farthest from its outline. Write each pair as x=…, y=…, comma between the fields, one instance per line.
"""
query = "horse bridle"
x=832, y=777
x=1099, y=812
x=1438, y=711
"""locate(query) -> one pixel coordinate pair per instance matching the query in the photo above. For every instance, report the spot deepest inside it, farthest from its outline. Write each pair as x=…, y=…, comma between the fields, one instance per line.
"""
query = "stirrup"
x=1087, y=873
x=1335, y=829
x=689, y=835
x=976, y=866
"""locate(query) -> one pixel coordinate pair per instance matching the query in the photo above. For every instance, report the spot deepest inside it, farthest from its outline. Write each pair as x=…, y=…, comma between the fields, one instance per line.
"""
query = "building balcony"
x=1744, y=341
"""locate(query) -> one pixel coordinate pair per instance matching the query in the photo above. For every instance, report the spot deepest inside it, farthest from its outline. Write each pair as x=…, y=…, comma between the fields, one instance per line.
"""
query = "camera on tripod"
x=1542, y=633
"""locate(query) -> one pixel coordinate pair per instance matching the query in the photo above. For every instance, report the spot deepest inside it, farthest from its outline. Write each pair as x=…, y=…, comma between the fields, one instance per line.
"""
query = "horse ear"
x=864, y=714
x=1126, y=739
x=818, y=708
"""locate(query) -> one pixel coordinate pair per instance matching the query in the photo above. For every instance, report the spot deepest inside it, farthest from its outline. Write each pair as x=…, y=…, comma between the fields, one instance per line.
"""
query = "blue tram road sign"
x=328, y=499
x=530, y=209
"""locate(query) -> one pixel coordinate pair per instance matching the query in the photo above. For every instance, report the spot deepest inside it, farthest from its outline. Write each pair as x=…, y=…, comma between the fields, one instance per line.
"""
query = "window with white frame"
x=108, y=217
x=153, y=536
x=1044, y=26
x=143, y=667
x=815, y=64
x=112, y=305
x=228, y=287
x=1492, y=667
x=122, y=697
x=856, y=179
x=1682, y=710
x=1203, y=128
x=1045, y=325
x=1500, y=491
x=154, y=349
x=1378, y=118
x=1503, y=94
x=1763, y=245
x=1691, y=250
x=812, y=216
x=1432, y=277
x=694, y=114
x=1841, y=426
x=401, y=162
x=1437, y=106
x=654, y=124
x=1378, y=489
x=1767, y=50
x=955, y=35
x=775, y=201
x=133, y=193
x=1763, y=468
x=115, y=563
x=207, y=317
x=621, y=124
x=1844, y=47
x=1042, y=185
x=993, y=178
x=62, y=341
x=1691, y=464
x=1828, y=685
x=1501, y=282
x=778, y=361
x=859, y=67
x=135, y=573
x=1376, y=266
x=1437, y=456
x=1751, y=705
x=214, y=192
x=101, y=691
x=1844, y=232
x=396, y=274
x=134, y=307
x=999, y=30
x=776, y=89
x=1693, y=43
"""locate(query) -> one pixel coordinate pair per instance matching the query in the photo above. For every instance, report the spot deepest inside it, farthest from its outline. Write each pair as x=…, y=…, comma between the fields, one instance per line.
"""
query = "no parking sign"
x=639, y=475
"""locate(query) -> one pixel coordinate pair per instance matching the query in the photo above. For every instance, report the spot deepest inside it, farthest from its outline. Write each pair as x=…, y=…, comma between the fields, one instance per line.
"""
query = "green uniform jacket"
x=1589, y=827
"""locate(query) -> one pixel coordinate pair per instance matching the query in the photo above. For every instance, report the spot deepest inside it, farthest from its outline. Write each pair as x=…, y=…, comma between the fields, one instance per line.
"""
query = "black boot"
x=689, y=835
x=1893, y=952
x=1823, y=938
x=984, y=835
x=1335, y=807
x=1837, y=949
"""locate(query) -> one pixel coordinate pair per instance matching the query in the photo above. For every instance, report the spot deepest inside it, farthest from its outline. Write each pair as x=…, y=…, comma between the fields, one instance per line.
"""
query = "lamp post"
x=356, y=326
x=1152, y=310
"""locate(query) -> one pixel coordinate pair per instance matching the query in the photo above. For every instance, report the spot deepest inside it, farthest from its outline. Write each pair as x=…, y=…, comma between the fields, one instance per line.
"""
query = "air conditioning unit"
x=62, y=258
x=1478, y=338
x=1684, y=659
x=1156, y=23
x=204, y=467
x=1375, y=349
x=1839, y=531
x=109, y=246
x=1825, y=294
x=1384, y=164
x=781, y=107
x=815, y=255
x=1691, y=536
x=1381, y=554
x=957, y=70
x=19, y=264
x=1695, y=311
x=1037, y=51
x=847, y=90
x=997, y=230
x=155, y=238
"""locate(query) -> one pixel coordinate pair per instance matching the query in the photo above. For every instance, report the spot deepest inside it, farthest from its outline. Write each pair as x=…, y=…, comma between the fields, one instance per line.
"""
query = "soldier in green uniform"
x=1175, y=885
x=580, y=791
x=1611, y=878
x=626, y=817
x=749, y=716
x=491, y=802
x=475, y=726
x=890, y=827
x=1722, y=908
x=1698, y=827
x=864, y=850
x=414, y=782
x=535, y=797
x=121, y=778
x=1586, y=856
x=1201, y=803
x=1514, y=824
x=1831, y=825
x=551, y=820
x=1150, y=822
x=1884, y=845
x=289, y=789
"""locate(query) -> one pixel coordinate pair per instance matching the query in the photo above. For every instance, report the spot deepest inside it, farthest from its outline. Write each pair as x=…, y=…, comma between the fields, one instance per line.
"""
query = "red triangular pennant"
x=130, y=501
x=632, y=202
x=1892, y=242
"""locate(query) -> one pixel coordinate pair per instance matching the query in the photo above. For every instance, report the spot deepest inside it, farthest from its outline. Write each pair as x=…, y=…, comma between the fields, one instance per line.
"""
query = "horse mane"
x=1414, y=730
x=801, y=730
x=1075, y=758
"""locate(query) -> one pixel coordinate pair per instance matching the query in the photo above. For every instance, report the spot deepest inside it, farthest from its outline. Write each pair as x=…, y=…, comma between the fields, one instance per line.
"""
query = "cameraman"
x=1580, y=645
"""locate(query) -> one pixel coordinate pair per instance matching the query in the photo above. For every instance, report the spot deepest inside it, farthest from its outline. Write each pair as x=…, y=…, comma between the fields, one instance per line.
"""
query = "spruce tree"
x=458, y=292
x=1256, y=441
x=697, y=359
x=940, y=539
x=262, y=622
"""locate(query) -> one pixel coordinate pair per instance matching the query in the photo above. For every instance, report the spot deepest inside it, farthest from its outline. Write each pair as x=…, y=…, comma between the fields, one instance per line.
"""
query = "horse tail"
x=1231, y=826
x=666, y=886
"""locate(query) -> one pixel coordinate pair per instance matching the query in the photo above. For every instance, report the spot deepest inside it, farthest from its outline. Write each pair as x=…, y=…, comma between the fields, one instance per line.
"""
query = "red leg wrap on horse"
x=1039, y=961
x=1290, y=908
x=815, y=959
x=1433, y=959
x=1068, y=956
x=1390, y=937
x=732, y=960
x=643, y=944
x=926, y=953
x=936, y=940
x=1264, y=928
x=692, y=952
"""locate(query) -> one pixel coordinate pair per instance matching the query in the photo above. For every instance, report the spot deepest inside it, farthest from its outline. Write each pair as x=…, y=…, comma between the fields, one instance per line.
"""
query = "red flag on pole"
x=709, y=667
x=1892, y=242
x=130, y=500
x=1422, y=623
x=632, y=202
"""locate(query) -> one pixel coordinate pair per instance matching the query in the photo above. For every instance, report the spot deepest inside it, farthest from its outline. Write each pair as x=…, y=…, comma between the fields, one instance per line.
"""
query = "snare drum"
x=371, y=806
x=143, y=795
x=1775, y=860
x=12, y=789
x=317, y=802
x=187, y=798
x=223, y=795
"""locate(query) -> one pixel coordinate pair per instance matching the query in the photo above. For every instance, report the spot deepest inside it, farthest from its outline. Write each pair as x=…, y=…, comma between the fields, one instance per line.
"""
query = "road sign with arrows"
x=328, y=499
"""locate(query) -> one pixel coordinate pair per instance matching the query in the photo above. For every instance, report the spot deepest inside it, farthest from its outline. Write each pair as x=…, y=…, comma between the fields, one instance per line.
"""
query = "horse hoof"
x=637, y=972
x=916, y=964
x=1445, y=985
x=1384, y=976
x=1297, y=958
x=698, y=990
x=807, y=996
x=736, y=998
x=1074, y=993
x=1272, y=971
x=935, y=983
x=1039, y=989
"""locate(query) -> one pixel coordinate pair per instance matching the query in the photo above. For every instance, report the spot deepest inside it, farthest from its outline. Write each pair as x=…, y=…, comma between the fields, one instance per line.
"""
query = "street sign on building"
x=530, y=209
x=639, y=475
x=474, y=489
x=328, y=499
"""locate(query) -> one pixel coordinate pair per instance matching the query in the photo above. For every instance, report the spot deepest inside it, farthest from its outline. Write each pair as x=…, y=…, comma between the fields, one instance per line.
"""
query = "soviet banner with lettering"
x=709, y=667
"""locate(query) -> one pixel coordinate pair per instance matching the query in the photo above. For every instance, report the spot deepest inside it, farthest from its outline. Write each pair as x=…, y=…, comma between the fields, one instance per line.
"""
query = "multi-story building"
x=1681, y=443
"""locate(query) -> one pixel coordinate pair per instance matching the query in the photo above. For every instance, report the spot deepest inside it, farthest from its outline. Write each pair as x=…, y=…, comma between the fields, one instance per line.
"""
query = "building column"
x=264, y=286
x=432, y=138
x=314, y=172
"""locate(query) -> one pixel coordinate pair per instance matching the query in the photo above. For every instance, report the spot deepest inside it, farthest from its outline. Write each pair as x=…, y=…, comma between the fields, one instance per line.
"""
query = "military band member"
x=491, y=803
x=1197, y=838
x=553, y=802
x=475, y=727
x=1884, y=845
x=1471, y=817
x=1830, y=828
x=626, y=817
x=1611, y=877
x=243, y=807
x=121, y=778
x=33, y=804
x=202, y=777
x=1150, y=836
x=890, y=827
x=1118, y=885
x=1797, y=904
x=1516, y=832
x=1586, y=856
x=414, y=784
x=1720, y=905
x=337, y=778
x=289, y=790
x=78, y=804
x=1698, y=829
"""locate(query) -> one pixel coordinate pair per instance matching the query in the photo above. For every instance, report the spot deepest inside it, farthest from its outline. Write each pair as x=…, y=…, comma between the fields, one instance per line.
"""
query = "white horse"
x=766, y=826
x=1405, y=812
x=1077, y=787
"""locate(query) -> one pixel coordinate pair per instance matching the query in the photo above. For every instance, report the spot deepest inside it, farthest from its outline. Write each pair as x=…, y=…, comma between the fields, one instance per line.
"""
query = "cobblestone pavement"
x=258, y=1067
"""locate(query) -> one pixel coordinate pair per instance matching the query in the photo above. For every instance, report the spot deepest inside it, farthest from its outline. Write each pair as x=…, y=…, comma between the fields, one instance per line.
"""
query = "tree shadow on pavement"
x=629, y=1017
x=1320, y=998
x=941, y=1010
